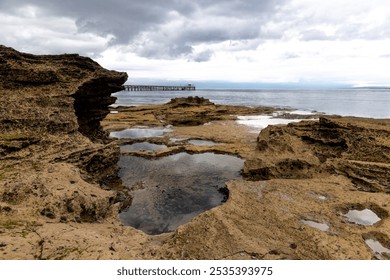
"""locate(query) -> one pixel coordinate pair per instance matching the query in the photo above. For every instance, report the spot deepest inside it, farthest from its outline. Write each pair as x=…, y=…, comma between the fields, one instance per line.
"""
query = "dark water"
x=172, y=190
x=373, y=103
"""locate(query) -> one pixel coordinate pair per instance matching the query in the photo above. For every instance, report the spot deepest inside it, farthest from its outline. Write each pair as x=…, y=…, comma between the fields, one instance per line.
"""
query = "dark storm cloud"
x=122, y=18
x=202, y=21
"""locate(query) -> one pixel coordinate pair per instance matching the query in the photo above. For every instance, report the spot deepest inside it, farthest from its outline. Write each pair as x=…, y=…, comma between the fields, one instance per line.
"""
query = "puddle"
x=364, y=217
x=320, y=226
x=177, y=141
x=319, y=196
x=172, y=190
x=377, y=248
x=202, y=143
x=259, y=122
x=262, y=121
x=140, y=132
x=146, y=146
x=322, y=197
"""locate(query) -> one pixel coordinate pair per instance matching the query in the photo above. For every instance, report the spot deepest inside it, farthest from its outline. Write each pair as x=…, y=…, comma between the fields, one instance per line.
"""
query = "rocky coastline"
x=60, y=193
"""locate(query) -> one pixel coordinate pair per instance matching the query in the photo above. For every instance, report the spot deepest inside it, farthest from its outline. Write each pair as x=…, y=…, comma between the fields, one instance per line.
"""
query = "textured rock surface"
x=56, y=162
x=54, y=94
x=57, y=170
x=309, y=171
x=51, y=102
x=356, y=148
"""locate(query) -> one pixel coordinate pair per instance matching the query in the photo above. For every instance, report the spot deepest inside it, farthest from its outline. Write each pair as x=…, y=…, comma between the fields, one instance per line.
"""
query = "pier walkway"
x=158, y=88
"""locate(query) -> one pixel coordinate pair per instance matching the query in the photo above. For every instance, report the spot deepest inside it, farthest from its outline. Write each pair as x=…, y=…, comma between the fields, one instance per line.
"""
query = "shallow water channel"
x=171, y=190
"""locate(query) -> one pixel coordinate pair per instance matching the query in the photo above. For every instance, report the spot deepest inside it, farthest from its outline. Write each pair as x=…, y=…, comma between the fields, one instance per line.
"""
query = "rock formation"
x=59, y=195
x=354, y=147
x=56, y=161
x=53, y=101
x=300, y=180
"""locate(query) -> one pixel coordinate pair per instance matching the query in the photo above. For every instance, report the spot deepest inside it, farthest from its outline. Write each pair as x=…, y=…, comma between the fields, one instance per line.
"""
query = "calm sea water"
x=372, y=103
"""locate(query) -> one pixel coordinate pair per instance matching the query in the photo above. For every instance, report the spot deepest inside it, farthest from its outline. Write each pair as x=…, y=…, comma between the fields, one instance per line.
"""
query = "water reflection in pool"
x=170, y=191
x=197, y=142
x=377, y=247
x=140, y=132
x=364, y=217
x=313, y=224
x=142, y=146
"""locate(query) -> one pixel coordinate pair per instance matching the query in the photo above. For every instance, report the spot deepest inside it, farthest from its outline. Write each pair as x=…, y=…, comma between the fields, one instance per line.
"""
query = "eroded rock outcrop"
x=354, y=147
x=55, y=94
x=56, y=161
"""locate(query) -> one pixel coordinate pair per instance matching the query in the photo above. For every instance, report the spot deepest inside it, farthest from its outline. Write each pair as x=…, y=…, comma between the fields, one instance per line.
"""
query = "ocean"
x=370, y=103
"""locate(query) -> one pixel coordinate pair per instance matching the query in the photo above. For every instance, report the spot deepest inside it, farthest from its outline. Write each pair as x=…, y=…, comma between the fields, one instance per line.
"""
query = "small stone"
x=6, y=209
x=112, y=247
x=3, y=244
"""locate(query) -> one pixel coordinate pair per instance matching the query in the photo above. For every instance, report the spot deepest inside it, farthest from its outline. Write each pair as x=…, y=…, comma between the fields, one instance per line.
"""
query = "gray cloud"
x=121, y=18
x=314, y=35
x=200, y=21
x=173, y=29
x=203, y=56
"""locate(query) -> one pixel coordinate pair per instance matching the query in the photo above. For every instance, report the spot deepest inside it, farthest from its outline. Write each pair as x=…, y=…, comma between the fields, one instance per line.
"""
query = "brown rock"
x=55, y=157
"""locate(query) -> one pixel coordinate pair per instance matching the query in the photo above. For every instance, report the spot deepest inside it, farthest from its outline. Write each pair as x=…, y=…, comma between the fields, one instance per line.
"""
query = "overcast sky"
x=258, y=41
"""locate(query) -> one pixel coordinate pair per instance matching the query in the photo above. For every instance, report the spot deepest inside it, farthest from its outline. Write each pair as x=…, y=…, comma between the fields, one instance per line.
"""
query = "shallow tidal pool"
x=140, y=132
x=170, y=191
x=364, y=217
x=142, y=146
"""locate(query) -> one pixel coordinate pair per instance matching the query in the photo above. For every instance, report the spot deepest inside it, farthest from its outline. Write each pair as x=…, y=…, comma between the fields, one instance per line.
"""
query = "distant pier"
x=158, y=88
